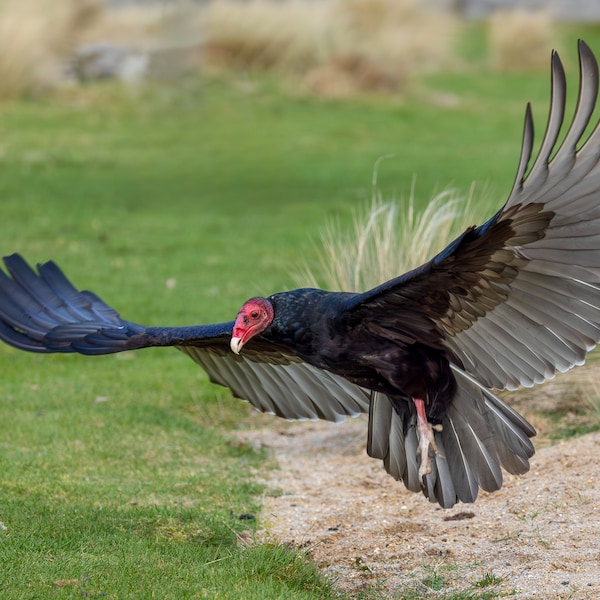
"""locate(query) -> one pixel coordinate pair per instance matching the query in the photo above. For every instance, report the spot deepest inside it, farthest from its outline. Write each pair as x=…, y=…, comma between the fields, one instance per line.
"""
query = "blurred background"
x=178, y=158
x=332, y=47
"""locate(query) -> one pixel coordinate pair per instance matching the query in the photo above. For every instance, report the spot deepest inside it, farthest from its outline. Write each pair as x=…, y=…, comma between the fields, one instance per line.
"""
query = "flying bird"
x=507, y=304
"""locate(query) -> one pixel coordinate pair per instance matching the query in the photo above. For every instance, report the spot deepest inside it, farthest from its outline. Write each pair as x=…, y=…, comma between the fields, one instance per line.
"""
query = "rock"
x=105, y=60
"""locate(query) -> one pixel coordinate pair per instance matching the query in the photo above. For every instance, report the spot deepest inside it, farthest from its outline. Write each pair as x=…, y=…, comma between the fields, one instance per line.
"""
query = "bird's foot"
x=426, y=438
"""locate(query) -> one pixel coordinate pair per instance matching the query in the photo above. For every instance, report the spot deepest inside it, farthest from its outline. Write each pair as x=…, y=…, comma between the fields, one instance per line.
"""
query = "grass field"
x=119, y=476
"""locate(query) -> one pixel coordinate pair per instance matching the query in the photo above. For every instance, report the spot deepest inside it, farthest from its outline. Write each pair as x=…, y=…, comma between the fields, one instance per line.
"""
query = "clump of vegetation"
x=389, y=238
x=521, y=40
x=338, y=47
x=35, y=38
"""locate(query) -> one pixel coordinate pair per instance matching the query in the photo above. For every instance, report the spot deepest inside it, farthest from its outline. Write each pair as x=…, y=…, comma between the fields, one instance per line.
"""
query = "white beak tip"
x=236, y=344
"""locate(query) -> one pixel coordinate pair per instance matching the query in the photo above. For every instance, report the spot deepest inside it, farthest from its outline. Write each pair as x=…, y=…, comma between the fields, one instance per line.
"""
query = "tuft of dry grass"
x=591, y=384
x=35, y=39
x=346, y=74
x=389, y=238
x=567, y=405
x=286, y=36
x=576, y=392
x=398, y=31
x=129, y=24
x=521, y=40
x=338, y=46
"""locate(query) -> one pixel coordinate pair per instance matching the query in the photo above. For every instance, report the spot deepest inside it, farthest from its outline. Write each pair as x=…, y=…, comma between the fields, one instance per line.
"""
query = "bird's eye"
x=254, y=314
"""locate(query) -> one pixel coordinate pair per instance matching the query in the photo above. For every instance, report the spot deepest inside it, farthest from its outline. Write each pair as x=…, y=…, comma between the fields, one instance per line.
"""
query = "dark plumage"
x=505, y=305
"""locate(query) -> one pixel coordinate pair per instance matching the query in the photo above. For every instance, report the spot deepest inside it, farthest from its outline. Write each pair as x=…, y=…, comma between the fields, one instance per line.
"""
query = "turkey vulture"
x=506, y=304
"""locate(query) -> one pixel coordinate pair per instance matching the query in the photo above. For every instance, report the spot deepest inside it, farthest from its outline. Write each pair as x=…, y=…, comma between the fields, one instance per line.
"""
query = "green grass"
x=440, y=581
x=119, y=478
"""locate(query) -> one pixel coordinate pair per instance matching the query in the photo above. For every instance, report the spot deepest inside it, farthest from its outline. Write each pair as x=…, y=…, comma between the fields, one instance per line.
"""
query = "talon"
x=426, y=438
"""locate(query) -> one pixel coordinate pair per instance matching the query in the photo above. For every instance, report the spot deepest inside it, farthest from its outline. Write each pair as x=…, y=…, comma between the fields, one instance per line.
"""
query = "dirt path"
x=539, y=537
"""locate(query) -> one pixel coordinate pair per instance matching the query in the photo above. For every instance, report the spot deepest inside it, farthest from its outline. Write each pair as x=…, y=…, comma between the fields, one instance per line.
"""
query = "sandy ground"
x=538, y=537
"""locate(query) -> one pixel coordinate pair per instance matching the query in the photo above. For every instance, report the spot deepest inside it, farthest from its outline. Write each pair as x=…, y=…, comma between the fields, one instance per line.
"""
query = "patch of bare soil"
x=538, y=537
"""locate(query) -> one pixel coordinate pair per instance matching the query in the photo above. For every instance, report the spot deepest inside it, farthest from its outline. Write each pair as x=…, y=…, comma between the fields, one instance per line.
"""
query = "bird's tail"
x=480, y=434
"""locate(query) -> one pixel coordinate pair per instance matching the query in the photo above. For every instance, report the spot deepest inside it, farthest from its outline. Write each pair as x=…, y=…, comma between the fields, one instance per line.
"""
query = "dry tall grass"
x=388, y=239
x=35, y=38
x=521, y=40
x=338, y=46
x=287, y=36
x=129, y=24
x=335, y=47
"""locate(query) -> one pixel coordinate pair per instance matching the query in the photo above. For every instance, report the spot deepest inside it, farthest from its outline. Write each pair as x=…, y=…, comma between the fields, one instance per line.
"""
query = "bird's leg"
x=425, y=429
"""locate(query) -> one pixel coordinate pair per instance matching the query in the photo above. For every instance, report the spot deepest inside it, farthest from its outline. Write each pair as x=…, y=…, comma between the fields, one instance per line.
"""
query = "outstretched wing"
x=44, y=312
x=517, y=298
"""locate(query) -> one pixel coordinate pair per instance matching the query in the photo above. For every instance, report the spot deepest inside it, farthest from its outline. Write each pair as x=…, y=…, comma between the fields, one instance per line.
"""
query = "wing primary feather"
x=539, y=170
x=586, y=99
x=526, y=150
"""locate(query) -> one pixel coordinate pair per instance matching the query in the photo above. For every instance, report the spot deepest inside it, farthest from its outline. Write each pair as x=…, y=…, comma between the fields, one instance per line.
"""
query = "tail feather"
x=393, y=439
x=439, y=485
x=473, y=435
x=413, y=482
x=480, y=435
x=463, y=478
x=509, y=430
x=382, y=423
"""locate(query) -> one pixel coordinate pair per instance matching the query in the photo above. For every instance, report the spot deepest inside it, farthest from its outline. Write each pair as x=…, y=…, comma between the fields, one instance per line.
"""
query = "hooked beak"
x=236, y=344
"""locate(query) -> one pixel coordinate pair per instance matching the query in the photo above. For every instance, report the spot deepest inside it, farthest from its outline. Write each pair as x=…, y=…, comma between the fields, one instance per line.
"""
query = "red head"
x=254, y=317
